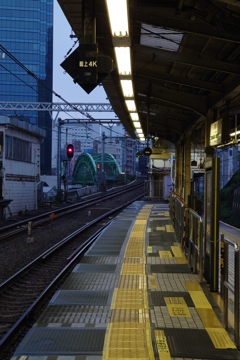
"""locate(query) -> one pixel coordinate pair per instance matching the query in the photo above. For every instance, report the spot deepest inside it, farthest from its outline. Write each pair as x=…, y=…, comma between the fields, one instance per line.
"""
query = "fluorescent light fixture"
x=123, y=60
x=118, y=15
x=134, y=116
x=130, y=105
x=235, y=133
x=127, y=88
x=139, y=131
x=137, y=124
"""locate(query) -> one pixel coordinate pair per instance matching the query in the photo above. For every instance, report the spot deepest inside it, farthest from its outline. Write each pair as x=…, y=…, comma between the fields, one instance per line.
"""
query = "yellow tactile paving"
x=132, y=282
x=128, y=341
x=153, y=284
x=165, y=254
x=209, y=318
x=192, y=286
x=177, y=307
x=200, y=300
x=214, y=328
x=134, y=260
x=128, y=334
x=129, y=299
x=131, y=315
x=149, y=249
x=162, y=345
x=174, y=300
x=160, y=228
x=219, y=302
x=132, y=269
x=220, y=338
x=181, y=260
x=177, y=252
x=134, y=251
x=169, y=228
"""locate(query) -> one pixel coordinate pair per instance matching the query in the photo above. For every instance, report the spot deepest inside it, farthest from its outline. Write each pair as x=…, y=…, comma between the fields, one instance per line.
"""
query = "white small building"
x=19, y=165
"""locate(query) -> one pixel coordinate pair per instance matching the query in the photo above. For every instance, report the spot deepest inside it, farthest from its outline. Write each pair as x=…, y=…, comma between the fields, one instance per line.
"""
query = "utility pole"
x=103, y=177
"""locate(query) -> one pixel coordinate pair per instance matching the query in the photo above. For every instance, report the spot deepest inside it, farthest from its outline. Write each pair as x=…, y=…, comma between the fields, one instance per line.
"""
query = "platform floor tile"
x=91, y=281
x=75, y=316
x=62, y=341
x=189, y=343
x=81, y=297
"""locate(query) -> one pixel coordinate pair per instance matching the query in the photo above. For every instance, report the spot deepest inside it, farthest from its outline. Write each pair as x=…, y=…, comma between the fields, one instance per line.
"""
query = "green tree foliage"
x=226, y=201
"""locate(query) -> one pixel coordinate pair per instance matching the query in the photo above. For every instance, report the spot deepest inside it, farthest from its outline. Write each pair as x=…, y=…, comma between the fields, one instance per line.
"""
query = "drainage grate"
x=62, y=341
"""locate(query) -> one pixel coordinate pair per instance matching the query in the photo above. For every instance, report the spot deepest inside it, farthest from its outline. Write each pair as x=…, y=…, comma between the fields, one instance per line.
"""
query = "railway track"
x=42, y=219
x=27, y=290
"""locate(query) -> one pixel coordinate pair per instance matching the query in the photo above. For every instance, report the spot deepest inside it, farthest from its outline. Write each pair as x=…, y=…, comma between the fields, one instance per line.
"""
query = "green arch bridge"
x=88, y=166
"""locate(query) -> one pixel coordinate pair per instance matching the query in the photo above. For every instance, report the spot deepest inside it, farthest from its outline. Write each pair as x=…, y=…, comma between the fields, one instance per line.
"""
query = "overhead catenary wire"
x=30, y=73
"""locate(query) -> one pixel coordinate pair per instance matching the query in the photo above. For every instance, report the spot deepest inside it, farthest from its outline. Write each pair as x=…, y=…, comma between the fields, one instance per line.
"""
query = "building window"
x=17, y=149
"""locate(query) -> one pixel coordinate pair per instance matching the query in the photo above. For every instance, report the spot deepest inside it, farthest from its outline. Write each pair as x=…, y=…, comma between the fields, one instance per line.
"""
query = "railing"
x=194, y=231
x=189, y=231
x=153, y=189
x=230, y=282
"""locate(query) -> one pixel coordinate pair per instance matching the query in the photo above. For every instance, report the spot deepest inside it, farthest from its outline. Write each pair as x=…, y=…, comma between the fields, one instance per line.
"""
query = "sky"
x=62, y=82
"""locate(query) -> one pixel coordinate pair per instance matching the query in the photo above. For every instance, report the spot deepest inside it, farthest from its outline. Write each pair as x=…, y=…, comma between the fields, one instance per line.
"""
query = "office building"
x=26, y=63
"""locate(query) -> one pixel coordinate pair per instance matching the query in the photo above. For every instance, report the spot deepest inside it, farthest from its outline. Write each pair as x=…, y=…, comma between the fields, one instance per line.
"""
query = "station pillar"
x=179, y=170
x=187, y=166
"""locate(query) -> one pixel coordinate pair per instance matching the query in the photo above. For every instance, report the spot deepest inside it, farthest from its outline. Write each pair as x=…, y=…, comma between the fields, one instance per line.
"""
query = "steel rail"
x=41, y=219
x=70, y=259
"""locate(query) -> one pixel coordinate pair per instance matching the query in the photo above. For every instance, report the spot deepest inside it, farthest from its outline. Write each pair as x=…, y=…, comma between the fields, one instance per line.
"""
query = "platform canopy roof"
x=185, y=57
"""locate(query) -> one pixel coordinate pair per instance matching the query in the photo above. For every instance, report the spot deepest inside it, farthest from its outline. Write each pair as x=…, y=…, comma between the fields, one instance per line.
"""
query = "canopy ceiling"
x=185, y=60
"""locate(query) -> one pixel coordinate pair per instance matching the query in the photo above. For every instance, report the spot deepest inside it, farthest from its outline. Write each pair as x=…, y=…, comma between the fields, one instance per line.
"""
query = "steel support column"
x=187, y=166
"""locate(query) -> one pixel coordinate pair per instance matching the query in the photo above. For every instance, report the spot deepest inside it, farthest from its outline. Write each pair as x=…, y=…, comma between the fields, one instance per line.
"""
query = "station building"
x=19, y=165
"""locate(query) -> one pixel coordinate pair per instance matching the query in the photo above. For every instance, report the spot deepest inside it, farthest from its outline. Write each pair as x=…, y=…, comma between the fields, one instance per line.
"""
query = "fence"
x=153, y=189
x=230, y=281
x=189, y=230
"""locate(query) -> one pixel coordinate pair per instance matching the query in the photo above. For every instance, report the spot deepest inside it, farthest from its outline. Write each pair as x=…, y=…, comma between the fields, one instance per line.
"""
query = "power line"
x=12, y=57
